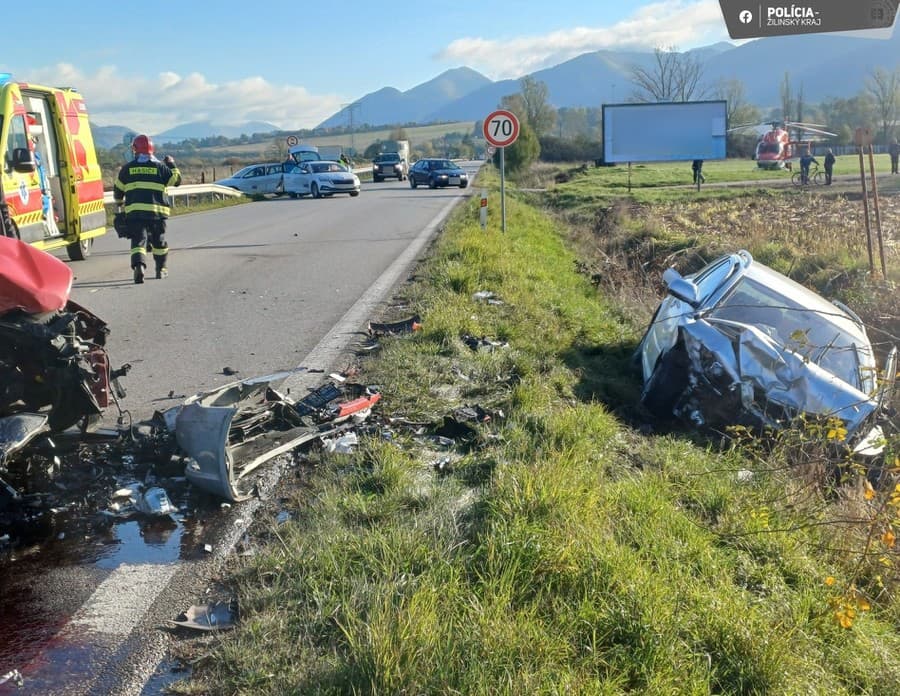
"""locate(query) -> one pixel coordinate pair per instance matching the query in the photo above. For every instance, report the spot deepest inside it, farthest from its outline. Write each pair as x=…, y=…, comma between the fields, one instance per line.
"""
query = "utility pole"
x=350, y=108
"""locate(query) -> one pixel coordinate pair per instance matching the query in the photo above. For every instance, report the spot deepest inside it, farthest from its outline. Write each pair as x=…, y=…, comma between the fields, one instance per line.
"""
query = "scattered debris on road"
x=413, y=323
x=13, y=676
x=217, y=616
x=229, y=432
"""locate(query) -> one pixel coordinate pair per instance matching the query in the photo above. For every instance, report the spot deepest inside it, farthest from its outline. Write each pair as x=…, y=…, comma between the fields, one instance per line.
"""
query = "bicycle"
x=815, y=177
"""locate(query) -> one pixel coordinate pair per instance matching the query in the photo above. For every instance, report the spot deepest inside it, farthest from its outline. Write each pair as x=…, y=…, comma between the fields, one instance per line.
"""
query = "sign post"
x=483, y=212
x=501, y=128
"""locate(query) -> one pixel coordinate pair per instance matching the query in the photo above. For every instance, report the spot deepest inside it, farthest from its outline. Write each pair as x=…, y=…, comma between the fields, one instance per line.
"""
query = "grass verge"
x=561, y=550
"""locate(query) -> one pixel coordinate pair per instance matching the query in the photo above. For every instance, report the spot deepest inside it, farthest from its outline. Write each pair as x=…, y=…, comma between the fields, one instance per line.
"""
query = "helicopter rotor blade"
x=758, y=128
x=817, y=131
x=818, y=128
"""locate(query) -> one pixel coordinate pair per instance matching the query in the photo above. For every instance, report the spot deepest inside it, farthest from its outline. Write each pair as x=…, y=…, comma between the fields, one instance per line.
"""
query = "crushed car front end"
x=739, y=344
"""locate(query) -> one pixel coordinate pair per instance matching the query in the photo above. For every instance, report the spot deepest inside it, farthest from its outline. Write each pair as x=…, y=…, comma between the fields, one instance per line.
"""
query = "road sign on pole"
x=501, y=128
x=292, y=140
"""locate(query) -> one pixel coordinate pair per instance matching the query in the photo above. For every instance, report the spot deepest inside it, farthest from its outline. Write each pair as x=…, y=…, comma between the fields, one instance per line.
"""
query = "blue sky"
x=155, y=65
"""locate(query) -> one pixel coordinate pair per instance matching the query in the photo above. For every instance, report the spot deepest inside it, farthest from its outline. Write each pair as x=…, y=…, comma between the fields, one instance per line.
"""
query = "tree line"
x=679, y=77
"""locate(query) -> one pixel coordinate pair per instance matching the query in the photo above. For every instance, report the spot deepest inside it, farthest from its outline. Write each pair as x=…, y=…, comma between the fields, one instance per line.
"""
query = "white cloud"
x=155, y=104
x=668, y=23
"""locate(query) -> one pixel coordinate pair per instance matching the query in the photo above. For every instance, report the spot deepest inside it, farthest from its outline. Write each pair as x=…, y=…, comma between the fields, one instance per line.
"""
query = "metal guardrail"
x=189, y=190
x=186, y=190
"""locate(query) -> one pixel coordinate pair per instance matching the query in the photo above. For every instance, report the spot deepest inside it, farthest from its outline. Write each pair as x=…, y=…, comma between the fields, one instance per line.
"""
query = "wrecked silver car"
x=738, y=343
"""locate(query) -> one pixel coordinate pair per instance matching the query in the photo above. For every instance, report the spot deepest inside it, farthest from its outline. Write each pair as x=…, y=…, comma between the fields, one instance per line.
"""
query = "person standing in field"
x=894, y=152
x=697, y=168
x=829, y=166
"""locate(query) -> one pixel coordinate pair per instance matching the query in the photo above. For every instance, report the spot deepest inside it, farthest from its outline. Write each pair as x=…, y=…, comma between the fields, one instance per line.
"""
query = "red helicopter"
x=776, y=147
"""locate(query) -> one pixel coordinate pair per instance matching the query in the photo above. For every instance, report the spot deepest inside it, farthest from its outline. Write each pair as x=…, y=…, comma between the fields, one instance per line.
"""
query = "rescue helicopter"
x=776, y=147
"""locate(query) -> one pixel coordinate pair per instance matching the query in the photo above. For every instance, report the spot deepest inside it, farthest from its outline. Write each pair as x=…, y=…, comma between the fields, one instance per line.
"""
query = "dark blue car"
x=434, y=172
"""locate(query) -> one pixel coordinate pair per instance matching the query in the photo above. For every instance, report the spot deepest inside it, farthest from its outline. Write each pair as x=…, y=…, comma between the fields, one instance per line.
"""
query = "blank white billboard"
x=668, y=131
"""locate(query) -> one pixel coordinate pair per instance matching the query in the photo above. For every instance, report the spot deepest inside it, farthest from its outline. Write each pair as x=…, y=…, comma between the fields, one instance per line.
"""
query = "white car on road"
x=256, y=179
x=320, y=178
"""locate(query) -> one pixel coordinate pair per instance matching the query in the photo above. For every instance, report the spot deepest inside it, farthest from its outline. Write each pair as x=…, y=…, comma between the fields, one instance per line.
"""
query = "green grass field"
x=667, y=182
x=564, y=549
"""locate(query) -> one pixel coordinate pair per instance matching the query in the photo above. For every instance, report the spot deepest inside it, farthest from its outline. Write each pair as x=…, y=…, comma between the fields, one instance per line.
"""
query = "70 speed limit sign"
x=501, y=128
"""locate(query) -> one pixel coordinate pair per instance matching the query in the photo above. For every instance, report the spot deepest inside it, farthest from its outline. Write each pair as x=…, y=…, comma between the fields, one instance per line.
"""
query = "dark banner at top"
x=747, y=19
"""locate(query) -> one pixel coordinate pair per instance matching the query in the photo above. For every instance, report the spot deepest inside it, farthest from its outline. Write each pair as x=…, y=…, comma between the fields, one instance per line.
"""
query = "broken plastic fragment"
x=14, y=676
x=487, y=296
x=402, y=326
x=483, y=343
x=207, y=617
x=342, y=445
x=155, y=501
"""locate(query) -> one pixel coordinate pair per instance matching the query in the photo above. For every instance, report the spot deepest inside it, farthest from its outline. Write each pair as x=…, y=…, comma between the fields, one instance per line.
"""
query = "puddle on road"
x=55, y=546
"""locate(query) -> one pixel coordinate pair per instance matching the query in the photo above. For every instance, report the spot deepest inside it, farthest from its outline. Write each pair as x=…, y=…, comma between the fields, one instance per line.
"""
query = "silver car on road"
x=256, y=179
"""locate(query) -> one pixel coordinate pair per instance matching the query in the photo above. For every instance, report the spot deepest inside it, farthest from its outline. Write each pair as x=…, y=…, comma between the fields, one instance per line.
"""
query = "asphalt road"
x=255, y=288
x=252, y=288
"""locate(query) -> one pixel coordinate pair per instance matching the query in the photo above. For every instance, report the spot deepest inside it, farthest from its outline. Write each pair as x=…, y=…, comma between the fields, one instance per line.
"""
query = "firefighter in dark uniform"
x=141, y=189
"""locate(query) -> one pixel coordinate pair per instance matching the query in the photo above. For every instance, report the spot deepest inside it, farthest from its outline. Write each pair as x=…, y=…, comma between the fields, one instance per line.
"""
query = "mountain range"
x=109, y=136
x=821, y=66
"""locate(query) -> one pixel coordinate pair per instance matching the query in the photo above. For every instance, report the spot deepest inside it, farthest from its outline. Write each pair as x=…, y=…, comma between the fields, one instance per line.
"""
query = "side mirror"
x=681, y=288
x=23, y=160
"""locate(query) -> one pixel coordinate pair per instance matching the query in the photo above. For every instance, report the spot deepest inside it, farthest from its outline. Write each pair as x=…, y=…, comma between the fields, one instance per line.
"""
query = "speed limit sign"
x=292, y=140
x=501, y=128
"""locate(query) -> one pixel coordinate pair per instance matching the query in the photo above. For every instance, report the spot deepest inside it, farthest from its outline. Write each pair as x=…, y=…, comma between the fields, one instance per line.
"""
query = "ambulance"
x=52, y=186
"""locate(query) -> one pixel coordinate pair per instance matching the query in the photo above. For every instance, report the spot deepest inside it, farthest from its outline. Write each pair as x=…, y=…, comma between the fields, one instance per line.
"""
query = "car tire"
x=412, y=182
x=79, y=251
x=314, y=190
x=432, y=184
x=463, y=184
x=354, y=194
x=667, y=382
x=377, y=179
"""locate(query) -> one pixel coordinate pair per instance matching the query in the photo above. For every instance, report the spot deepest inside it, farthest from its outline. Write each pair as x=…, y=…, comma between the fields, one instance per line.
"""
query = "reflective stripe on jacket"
x=141, y=184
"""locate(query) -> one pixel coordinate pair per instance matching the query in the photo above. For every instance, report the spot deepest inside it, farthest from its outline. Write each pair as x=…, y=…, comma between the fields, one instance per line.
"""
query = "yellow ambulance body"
x=52, y=187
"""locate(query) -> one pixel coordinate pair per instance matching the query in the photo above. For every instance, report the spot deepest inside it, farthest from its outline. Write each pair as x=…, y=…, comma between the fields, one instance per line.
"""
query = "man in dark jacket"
x=829, y=166
x=141, y=189
x=806, y=161
x=894, y=152
x=697, y=168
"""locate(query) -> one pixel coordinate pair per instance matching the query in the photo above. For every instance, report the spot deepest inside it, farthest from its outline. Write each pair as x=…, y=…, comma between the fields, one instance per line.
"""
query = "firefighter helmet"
x=142, y=145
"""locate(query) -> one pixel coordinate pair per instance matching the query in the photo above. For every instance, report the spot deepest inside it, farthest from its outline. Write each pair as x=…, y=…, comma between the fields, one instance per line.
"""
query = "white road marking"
x=122, y=599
